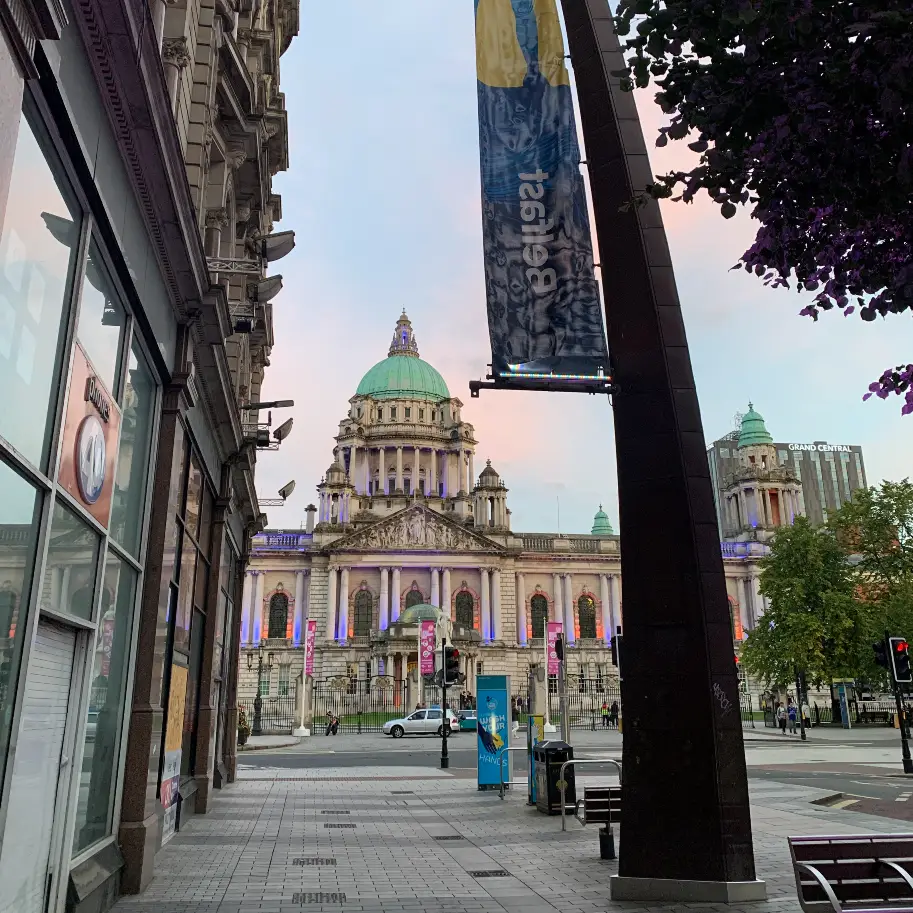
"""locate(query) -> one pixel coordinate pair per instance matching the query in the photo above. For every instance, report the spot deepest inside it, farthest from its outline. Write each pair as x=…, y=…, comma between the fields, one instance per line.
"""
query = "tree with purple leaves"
x=803, y=111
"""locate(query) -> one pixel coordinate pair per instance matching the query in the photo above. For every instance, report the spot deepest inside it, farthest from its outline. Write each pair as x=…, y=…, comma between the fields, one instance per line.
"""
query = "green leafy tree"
x=814, y=624
x=875, y=530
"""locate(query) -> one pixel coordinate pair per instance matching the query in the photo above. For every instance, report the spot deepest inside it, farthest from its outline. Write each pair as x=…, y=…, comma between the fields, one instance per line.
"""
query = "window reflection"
x=133, y=454
x=19, y=518
x=69, y=577
x=101, y=320
x=37, y=251
x=98, y=777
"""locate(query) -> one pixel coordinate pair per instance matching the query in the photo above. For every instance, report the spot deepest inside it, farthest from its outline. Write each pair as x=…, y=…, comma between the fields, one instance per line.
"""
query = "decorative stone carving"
x=235, y=156
x=242, y=212
x=217, y=218
x=416, y=528
x=175, y=52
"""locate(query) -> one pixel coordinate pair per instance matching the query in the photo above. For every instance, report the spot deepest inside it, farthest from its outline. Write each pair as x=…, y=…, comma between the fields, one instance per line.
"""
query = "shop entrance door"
x=40, y=767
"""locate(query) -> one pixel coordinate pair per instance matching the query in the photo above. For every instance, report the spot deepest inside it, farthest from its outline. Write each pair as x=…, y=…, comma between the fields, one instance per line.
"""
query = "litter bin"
x=548, y=757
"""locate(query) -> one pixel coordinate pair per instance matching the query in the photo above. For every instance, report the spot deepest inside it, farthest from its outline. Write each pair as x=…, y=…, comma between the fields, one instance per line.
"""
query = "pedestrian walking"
x=807, y=715
x=793, y=713
x=605, y=715
x=613, y=714
x=781, y=717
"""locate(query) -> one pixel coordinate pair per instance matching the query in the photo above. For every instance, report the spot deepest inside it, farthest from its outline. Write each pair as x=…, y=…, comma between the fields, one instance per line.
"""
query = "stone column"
x=472, y=475
x=461, y=472
x=331, y=604
x=446, y=599
x=607, y=627
x=432, y=476
x=300, y=615
x=246, y=631
x=394, y=596
x=258, y=607
x=384, y=607
x=486, y=605
x=748, y=614
x=521, y=611
x=176, y=56
x=399, y=470
x=558, y=596
x=416, y=464
x=436, y=587
x=344, y=606
x=569, y=609
x=382, y=469
x=497, y=631
x=758, y=603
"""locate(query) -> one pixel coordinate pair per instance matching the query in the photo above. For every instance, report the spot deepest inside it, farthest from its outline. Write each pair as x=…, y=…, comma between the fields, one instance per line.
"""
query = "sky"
x=383, y=193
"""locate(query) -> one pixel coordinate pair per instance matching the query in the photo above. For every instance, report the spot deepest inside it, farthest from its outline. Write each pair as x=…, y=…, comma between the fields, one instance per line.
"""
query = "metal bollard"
x=606, y=843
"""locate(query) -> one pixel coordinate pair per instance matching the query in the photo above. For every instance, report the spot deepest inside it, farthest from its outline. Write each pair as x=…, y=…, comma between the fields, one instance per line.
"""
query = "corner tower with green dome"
x=403, y=439
x=761, y=494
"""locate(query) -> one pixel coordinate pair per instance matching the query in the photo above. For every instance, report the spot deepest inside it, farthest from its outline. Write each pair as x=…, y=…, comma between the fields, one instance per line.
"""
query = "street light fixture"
x=274, y=404
x=256, y=728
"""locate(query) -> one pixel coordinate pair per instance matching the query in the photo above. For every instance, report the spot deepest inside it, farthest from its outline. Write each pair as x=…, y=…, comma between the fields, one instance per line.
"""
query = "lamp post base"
x=301, y=732
x=673, y=889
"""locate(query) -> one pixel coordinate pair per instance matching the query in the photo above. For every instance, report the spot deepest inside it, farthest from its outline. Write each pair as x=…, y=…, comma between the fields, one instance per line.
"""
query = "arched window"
x=278, y=615
x=414, y=597
x=586, y=615
x=538, y=607
x=464, y=604
x=364, y=613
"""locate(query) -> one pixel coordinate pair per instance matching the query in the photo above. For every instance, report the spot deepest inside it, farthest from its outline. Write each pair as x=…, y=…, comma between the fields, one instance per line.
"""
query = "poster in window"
x=171, y=766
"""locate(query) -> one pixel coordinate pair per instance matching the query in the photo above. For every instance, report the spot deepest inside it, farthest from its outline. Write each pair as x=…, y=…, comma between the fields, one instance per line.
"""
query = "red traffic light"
x=454, y=653
x=737, y=660
x=901, y=646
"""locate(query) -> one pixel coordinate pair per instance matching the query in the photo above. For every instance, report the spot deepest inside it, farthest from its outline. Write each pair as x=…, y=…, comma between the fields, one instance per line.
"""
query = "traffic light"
x=881, y=654
x=451, y=665
x=900, y=659
x=559, y=647
x=615, y=651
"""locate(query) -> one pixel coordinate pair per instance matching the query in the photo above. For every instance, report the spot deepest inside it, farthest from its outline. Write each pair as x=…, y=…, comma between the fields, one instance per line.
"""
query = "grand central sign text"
x=823, y=448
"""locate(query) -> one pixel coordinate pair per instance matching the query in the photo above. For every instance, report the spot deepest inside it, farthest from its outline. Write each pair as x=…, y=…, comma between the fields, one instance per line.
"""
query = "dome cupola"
x=489, y=477
x=602, y=526
x=753, y=431
x=403, y=374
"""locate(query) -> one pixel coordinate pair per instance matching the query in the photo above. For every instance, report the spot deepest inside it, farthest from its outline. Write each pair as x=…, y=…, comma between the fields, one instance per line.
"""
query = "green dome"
x=402, y=374
x=754, y=431
x=602, y=526
x=421, y=612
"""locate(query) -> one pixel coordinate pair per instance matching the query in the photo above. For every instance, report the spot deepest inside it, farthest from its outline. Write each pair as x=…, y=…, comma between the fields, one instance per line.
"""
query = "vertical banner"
x=535, y=726
x=171, y=764
x=544, y=315
x=553, y=629
x=309, y=639
x=427, y=631
x=492, y=714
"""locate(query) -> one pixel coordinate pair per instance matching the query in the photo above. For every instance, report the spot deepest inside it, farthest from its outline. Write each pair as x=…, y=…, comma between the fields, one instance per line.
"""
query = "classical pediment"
x=415, y=529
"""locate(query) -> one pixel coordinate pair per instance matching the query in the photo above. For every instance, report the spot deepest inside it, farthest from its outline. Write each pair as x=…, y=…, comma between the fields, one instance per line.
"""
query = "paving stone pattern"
x=235, y=861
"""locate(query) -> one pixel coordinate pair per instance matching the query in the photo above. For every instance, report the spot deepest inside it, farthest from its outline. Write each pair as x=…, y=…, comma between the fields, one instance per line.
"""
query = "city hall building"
x=403, y=520
x=137, y=147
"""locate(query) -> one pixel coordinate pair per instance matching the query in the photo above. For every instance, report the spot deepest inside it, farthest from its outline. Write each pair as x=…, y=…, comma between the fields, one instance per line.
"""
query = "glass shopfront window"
x=101, y=320
x=69, y=576
x=137, y=424
x=19, y=517
x=38, y=248
x=95, y=802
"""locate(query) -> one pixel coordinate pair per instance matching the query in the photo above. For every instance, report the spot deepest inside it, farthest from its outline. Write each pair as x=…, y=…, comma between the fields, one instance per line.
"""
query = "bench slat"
x=859, y=891
x=897, y=850
x=861, y=869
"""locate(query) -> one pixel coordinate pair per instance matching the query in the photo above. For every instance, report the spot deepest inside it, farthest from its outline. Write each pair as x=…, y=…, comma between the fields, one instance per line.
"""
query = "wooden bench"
x=868, y=873
x=599, y=805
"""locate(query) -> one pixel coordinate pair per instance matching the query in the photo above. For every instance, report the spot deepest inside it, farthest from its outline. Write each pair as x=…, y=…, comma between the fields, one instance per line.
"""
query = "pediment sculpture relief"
x=416, y=528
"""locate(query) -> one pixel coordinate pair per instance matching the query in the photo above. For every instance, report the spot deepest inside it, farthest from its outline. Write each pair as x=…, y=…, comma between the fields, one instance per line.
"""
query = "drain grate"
x=313, y=860
x=402, y=792
x=451, y=837
x=489, y=873
x=331, y=811
x=330, y=824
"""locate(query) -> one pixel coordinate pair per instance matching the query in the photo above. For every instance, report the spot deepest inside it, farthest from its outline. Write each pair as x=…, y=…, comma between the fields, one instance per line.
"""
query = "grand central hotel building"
x=403, y=519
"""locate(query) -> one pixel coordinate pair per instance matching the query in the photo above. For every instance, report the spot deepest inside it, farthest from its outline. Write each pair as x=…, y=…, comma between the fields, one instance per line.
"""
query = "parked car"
x=422, y=722
x=468, y=719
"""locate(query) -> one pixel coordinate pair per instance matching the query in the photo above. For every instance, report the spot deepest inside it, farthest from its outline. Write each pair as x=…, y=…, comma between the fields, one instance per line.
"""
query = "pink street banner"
x=309, y=639
x=553, y=630
x=426, y=641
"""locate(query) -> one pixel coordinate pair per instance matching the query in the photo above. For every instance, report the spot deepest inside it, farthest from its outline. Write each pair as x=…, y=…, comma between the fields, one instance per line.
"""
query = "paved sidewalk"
x=307, y=840
x=264, y=742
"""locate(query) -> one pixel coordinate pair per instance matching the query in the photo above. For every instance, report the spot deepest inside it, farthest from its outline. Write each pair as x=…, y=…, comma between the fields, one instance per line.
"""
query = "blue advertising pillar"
x=493, y=728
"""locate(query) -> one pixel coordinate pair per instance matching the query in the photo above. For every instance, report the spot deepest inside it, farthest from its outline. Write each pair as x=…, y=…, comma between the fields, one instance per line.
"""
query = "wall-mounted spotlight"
x=277, y=245
x=283, y=431
x=266, y=289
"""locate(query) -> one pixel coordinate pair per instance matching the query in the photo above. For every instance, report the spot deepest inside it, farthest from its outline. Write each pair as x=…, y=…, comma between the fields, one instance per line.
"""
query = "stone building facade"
x=138, y=142
x=402, y=519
